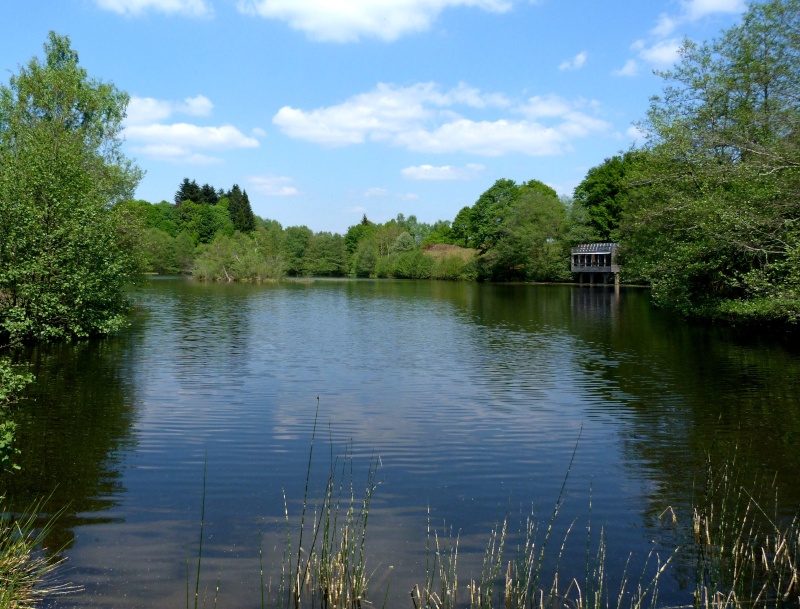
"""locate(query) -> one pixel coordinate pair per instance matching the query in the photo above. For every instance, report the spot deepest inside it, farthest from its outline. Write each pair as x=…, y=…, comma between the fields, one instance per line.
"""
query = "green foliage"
x=236, y=258
x=295, y=242
x=454, y=268
x=203, y=222
x=63, y=259
x=528, y=243
x=413, y=264
x=240, y=211
x=603, y=193
x=188, y=191
x=489, y=212
x=440, y=233
x=714, y=216
x=325, y=255
x=358, y=233
x=160, y=252
x=460, y=229
x=404, y=243
x=12, y=383
x=365, y=258
x=25, y=571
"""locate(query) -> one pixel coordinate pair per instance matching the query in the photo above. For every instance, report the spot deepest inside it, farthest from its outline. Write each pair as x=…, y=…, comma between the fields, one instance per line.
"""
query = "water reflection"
x=74, y=430
x=474, y=396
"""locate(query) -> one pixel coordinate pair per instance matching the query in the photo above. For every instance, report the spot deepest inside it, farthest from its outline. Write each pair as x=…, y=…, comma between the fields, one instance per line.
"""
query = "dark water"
x=473, y=397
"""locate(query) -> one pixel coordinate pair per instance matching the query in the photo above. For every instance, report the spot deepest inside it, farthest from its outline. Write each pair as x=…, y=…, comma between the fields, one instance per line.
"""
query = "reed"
x=330, y=569
x=743, y=555
x=26, y=573
x=514, y=580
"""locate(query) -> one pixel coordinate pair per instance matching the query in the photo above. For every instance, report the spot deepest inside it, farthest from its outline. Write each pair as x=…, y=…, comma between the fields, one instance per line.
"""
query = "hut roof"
x=594, y=248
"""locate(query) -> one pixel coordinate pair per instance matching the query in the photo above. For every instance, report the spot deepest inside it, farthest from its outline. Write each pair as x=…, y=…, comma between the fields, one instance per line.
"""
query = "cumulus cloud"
x=425, y=119
x=631, y=68
x=144, y=110
x=273, y=186
x=661, y=49
x=576, y=63
x=351, y=20
x=186, y=135
x=661, y=54
x=442, y=173
x=697, y=9
x=146, y=128
x=134, y=8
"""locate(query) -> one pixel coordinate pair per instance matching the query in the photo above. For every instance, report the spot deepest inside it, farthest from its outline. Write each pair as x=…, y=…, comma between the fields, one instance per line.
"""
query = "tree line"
x=512, y=232
x=706, y=211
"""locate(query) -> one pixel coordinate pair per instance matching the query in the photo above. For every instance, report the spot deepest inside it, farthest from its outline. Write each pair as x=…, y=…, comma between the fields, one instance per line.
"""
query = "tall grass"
x=743, y=555
x=26, y=573
x=327, y=568
x=513, y=578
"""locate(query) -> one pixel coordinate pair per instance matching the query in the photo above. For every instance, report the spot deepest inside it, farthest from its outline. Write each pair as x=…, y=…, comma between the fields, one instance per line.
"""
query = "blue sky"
x=324, y=110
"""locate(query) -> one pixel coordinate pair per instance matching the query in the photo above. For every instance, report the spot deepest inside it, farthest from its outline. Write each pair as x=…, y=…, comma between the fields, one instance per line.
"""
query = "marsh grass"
x=326, y=566
x=743, y=555
x=513, y=578
x=26, y=572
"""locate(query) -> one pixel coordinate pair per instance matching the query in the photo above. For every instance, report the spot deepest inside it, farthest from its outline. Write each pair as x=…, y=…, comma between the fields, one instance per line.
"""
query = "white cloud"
x=408, y=196
x=199, y=105
x=661, y=50
x=636, y=134
x=663, y=53
x=697, y=9
x=665, y=26
x=660, y=54
x=375, y=192
x=422, y=118
x=258, y=132
x=146, y=129
x=445, y=172
x=576, y=63
x=273, y=186
x=192, y=8
x=631, y=68
x=144, y=110
x=194, y=136
x=351, y=20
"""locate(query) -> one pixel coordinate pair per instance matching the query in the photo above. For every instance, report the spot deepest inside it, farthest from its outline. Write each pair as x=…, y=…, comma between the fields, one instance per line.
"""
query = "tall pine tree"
x=240, y=211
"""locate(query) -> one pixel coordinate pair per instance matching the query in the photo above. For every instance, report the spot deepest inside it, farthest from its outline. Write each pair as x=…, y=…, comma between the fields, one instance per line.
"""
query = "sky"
x=326, y=110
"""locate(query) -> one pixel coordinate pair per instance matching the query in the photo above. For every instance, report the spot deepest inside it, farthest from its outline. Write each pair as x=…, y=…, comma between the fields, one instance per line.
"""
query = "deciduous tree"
x=63, y=259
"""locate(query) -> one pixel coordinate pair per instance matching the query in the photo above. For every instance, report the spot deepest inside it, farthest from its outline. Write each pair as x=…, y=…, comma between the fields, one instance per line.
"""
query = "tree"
x=604, y=194
x=488, y=213
x=530, y=247
x=461, y=226
x=188, y=191
x=714, y=220
x=63, y=257
x=240, y=211
x=295, y=242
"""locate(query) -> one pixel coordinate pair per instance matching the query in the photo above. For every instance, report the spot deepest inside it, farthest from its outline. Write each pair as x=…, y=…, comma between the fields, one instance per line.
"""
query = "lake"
x=471, y=398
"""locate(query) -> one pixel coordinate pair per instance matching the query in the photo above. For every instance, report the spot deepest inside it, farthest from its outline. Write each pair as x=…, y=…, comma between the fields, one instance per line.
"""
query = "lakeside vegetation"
x=706, y=209
x=706, y=212
x=738, y=554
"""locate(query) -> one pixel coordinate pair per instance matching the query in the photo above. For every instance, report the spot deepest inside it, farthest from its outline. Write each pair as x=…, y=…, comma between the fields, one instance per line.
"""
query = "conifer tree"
x=240, y=211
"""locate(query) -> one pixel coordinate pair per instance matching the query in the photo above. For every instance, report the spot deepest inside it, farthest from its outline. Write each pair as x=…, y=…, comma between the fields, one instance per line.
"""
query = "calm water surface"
x=473, y=397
